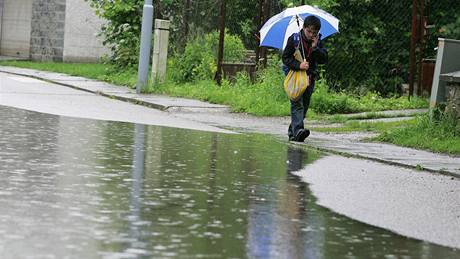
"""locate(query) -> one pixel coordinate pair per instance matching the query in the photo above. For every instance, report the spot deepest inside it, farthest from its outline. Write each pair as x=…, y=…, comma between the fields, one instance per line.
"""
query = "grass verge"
x=438, y=135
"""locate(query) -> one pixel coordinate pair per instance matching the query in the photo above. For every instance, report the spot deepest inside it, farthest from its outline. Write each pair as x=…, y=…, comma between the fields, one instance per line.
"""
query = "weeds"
x=437, y=133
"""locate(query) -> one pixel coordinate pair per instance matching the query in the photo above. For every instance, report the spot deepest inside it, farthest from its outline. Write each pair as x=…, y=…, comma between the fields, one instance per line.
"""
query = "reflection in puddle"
x=105, y=189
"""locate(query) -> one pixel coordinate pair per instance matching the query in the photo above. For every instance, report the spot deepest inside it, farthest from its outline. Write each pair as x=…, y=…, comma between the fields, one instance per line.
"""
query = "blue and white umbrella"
x=277, y=29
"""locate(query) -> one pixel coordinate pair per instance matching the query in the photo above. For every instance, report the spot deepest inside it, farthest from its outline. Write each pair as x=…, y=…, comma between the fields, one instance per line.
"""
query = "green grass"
x=438, y=135
x=441, y=135
x=247, y=100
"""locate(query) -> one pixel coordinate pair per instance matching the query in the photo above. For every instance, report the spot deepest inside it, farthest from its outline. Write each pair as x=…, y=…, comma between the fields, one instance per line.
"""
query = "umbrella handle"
x=303, y=51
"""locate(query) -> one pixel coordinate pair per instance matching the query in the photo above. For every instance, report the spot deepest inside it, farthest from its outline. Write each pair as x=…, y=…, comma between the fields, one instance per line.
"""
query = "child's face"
x=310, y=32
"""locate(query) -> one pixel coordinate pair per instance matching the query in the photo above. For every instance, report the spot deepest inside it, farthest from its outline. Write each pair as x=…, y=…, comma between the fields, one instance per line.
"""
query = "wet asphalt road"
x=415, y=204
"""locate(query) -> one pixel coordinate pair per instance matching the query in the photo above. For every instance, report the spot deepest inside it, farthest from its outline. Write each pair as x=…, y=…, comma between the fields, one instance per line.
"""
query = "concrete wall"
x=1, y=20
x=16, y=28
x=81, y=43
x=47, y=37
x=50, y=30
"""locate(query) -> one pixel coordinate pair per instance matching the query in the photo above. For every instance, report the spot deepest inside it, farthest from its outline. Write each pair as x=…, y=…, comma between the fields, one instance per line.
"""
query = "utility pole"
x=220, y=54
x=146, y=44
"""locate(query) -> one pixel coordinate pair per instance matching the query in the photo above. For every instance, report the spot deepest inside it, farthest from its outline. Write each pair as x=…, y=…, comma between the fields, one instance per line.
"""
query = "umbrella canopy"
x=277, y=29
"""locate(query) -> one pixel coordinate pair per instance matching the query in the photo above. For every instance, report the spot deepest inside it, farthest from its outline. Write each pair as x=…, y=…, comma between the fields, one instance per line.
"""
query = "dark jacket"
x=318, y=55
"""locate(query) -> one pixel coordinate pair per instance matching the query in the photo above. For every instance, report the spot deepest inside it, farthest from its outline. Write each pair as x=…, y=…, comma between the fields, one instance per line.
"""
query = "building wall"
x=16, y=28
x=1, y=20
x=47, y=37
x=81, y=43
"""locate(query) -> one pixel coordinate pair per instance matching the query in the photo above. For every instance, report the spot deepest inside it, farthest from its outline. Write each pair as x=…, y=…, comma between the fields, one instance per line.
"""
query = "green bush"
x=122, y=31
x=198, y=62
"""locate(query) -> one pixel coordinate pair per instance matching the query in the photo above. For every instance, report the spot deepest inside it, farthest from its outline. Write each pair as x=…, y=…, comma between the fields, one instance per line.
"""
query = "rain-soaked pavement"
x=81, y=188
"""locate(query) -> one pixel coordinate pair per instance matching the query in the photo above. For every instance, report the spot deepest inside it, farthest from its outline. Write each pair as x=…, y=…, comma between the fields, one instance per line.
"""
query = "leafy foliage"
x=122, y=31
x=371, y=51
x=370, y=54
x=444, y=17
x=198, y=62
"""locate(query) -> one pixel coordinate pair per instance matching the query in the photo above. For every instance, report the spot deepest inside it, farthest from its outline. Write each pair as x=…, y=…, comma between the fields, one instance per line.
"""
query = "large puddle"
x=85, y=188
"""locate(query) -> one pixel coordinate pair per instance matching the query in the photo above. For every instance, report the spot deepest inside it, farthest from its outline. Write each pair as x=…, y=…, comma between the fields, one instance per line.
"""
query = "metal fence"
x=371, y=52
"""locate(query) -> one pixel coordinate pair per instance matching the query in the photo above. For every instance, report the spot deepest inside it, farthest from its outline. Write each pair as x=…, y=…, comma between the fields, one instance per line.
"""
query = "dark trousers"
x=299, y=109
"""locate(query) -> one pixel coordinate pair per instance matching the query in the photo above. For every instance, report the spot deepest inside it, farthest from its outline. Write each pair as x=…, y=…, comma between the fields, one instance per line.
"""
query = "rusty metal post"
x=260, y=22
x=266, y=12
x=421, y=33
x=413, y=44
x=186, y=19
x=220, y=54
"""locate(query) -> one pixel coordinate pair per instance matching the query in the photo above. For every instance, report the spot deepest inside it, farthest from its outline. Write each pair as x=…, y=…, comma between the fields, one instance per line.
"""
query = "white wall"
x=81, y=27
x=16, y=28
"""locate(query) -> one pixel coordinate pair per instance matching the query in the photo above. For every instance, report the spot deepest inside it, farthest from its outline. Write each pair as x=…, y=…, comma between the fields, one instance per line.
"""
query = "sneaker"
x=302, y=135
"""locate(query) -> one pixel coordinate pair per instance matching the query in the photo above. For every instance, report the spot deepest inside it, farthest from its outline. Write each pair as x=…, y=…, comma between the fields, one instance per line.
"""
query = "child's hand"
x=315, y=41
x=304, y=65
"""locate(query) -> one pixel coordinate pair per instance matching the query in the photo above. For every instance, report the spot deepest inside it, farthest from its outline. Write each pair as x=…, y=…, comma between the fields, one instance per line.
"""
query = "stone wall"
x=453, y=98
x=81, y=43
x=47, y=36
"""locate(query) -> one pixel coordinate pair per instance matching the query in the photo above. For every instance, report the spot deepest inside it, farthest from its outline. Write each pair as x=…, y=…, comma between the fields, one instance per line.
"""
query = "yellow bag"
x=296, y=83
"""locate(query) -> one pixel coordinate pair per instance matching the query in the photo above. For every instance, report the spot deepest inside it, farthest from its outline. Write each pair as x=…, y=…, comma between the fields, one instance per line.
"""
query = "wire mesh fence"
x=371, y=51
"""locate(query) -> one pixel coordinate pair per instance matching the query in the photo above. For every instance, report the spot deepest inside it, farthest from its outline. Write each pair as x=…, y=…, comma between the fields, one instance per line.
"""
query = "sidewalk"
x=219, y=115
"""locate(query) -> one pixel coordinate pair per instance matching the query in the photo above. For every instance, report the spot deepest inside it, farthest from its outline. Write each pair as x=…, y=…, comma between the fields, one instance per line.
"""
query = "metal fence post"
x=220, y=54
x=146, y=44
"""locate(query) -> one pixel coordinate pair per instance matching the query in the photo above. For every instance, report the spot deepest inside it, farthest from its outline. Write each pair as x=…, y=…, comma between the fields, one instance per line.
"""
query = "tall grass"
x=440, y=133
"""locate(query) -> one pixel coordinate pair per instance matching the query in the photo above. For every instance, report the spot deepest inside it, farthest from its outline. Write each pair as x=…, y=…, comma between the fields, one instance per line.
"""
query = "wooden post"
x=160, y=51
x=220, y=54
